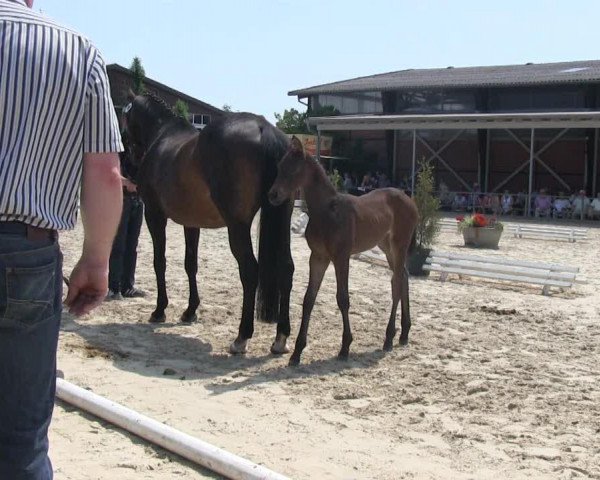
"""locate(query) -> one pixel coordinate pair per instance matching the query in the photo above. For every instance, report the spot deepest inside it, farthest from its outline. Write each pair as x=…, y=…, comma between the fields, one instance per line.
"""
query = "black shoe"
x=111, y=295
x=134, y=293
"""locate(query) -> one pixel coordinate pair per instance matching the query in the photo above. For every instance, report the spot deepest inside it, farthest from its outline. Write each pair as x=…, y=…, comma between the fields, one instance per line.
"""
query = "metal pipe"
x=202, y=453
x=395, y=159
x=531, y=158
x=319, y=145
x=414, y=163
x=487, y=160
x=595, y=165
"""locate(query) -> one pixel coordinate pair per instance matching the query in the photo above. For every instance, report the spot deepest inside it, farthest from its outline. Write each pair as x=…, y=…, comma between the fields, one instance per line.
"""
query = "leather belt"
x=34, y=234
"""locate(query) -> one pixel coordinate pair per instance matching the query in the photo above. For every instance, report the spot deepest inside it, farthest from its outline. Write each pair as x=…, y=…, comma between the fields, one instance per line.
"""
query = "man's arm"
x=101, y=203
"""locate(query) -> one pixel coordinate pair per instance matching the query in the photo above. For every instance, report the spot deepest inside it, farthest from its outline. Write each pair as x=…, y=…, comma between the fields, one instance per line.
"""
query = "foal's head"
x=142, y=119
x=292, y=173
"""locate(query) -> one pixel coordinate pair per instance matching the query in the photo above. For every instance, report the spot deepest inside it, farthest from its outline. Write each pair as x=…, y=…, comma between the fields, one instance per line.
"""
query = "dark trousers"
x=123, y=257
x=30, y=309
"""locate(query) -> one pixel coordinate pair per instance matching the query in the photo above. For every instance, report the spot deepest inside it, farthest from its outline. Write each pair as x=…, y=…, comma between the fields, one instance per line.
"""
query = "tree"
x=227, y=108
x=138, y=76
x=292, y=121
x=182, y=110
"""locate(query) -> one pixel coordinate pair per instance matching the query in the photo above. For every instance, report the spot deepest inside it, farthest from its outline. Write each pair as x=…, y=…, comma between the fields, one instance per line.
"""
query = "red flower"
x=460, y=218
x=479, y=220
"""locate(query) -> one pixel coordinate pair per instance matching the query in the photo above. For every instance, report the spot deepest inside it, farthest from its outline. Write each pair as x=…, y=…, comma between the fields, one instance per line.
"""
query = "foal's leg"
x=390, y=331
x=342, y=267
x=405, y=319
x=157, y=223
x=318, y=266
x=241, y=247
x=192, y=236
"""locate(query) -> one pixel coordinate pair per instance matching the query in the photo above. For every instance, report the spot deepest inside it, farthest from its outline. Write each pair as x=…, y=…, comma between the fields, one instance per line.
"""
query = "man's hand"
x=88, y=285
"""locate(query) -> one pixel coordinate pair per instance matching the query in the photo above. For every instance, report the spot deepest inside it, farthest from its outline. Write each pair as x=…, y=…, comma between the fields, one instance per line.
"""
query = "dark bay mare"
x=340, y=225
x=218, y=177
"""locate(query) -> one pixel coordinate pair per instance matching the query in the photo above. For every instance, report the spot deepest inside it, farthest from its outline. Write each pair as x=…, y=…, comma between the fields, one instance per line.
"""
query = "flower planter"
x=416, y=260
x=482, y=237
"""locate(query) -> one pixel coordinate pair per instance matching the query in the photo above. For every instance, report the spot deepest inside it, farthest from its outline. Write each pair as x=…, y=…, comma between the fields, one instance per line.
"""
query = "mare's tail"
x=275, y=264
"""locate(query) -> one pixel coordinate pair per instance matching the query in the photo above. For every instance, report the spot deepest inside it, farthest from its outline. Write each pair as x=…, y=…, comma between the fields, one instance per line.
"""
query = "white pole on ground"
x=202, y=453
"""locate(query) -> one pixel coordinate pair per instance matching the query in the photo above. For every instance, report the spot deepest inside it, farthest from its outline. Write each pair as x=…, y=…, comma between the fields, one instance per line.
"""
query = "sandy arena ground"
x=499, y=382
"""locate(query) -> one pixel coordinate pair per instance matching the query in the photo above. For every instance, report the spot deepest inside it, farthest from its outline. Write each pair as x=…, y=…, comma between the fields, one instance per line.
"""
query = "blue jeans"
x=30, y=309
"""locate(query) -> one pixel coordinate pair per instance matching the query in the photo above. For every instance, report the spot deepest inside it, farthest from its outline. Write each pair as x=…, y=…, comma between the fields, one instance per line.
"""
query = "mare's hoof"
x=187, y=318
x=154, y=318
x=294, y=361
x=238, y=346
x=343, y=356
x=403, y=341
x=280, y=345
x=388, y=346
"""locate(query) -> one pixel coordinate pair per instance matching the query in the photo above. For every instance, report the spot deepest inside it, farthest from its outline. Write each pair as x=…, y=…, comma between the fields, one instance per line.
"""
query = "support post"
x=531, y=158
x=595, y=164
x=395, y=159
x=487, y=161
x=414, y=162
x=319, y=145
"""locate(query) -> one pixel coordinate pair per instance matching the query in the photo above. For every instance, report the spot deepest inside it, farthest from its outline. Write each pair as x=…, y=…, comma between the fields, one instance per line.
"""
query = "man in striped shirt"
x=58, y=132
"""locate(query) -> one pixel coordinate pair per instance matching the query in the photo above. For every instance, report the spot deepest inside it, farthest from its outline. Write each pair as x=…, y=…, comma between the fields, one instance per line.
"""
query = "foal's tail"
x=275, y=264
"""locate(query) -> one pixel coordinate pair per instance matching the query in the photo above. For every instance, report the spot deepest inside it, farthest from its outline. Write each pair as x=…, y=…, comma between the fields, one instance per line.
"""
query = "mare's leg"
x=318, y=266
x=285, y=276
x=157, y=223
x=192, y=236
x=241, y=247
x=342, y=267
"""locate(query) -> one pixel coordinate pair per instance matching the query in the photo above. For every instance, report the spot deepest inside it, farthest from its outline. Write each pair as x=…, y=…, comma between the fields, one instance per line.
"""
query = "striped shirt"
x=55, y=106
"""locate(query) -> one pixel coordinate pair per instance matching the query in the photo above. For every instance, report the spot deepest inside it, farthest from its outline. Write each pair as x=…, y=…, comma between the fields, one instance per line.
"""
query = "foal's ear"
x=130, y=95
x=296, y=145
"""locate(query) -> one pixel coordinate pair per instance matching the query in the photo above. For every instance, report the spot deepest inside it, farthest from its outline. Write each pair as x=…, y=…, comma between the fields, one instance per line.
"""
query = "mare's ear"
x=296, y=145
x=130, y=95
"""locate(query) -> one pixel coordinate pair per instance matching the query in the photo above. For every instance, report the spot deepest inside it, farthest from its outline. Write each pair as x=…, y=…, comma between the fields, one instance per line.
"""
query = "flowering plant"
x=478, y=220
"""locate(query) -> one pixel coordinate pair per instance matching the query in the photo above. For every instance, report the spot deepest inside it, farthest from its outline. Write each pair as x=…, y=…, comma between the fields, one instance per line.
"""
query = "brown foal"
x=341, y=225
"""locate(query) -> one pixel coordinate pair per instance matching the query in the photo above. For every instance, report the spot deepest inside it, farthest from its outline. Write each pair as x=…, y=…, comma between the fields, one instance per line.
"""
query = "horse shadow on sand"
x=150, y=350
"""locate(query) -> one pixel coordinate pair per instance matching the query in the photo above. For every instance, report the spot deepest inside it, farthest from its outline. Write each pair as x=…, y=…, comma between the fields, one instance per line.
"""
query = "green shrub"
x=428, y=205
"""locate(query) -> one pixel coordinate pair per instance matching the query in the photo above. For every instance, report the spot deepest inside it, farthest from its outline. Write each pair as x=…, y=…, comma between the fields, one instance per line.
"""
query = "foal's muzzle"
x=275, y=197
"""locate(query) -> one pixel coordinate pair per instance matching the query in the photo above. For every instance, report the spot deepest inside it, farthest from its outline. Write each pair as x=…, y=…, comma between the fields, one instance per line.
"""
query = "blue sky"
x=249, y=54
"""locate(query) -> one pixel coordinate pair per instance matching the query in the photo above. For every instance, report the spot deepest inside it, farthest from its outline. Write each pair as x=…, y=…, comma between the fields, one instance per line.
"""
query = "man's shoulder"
x=17, y=13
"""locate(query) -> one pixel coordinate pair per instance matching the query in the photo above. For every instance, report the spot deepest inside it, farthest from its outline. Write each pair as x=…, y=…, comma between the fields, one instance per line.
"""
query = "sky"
x=250, y=53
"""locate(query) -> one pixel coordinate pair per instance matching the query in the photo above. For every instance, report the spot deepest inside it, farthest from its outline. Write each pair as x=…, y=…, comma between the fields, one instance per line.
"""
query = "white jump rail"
x=547, y=231
x=194, y=449
x=500, y=268
x=448, y=224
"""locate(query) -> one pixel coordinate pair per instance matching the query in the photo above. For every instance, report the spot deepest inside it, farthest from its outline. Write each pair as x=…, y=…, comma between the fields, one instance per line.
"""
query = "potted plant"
x=427, y=227
x=479, y=231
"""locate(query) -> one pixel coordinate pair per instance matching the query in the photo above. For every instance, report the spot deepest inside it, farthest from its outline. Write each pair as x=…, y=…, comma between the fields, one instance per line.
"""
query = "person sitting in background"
x=543, y=204
x=495, y=204
x=459, y=203
x=595, y=207
x=561, y=206
x=383, y=181
x=368, y=182
x=348, y=183
x=506, y=203
x=580, y=205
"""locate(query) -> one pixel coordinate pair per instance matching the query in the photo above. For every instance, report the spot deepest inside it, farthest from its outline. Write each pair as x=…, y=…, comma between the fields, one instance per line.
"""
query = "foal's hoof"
x=187, y=318
x=294, y=361
x=238, y=346
x=157, y=318
x=280, y=345
x=343, y=356
x=403, y=342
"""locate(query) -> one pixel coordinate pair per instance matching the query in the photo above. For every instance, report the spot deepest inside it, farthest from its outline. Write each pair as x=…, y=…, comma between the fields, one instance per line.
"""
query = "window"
x=200, y=120
x=353, y=103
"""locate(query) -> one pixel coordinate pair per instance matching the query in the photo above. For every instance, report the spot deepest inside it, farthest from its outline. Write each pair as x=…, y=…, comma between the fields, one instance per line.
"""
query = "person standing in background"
x=58, y=132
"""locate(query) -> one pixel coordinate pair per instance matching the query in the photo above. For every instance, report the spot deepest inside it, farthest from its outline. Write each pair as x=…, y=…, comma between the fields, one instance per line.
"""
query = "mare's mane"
x=157, y=107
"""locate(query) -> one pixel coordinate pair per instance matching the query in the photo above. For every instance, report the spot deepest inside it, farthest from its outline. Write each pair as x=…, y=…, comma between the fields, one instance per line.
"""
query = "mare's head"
x=292, y=173
x=143, y=118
